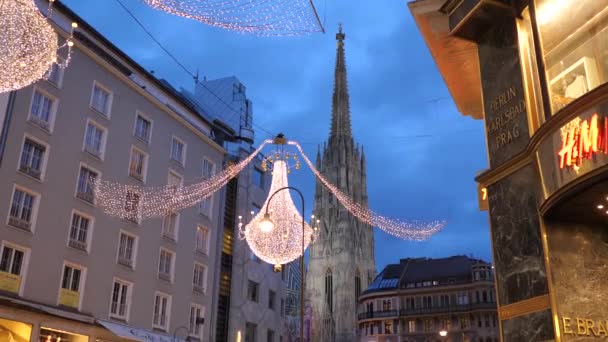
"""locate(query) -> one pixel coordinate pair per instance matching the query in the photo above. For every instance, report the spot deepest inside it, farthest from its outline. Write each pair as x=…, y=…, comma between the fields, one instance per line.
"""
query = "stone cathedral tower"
x=341, y=262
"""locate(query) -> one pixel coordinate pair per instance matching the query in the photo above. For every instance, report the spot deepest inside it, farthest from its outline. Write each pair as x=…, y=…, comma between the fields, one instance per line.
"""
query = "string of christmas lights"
x=258, y=17
x=281, y=243
x=414, y=230
x=136, y=203
x=28, y=45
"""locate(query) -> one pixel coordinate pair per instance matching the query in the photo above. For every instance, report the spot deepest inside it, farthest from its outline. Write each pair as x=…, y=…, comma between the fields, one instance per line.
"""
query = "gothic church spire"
x=340, y=108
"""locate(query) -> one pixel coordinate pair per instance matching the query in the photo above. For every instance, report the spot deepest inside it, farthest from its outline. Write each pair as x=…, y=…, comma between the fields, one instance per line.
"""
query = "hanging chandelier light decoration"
x=412, y=230
x=275, y=233
x=258, y=17
x=28, y=44
x=129, y=201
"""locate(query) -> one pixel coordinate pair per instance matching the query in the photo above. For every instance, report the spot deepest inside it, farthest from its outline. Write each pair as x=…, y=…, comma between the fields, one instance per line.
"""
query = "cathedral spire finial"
x=340, y=111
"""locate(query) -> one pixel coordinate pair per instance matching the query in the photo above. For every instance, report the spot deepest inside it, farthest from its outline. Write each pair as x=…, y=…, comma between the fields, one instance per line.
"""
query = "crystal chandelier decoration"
x=412, y=230
x=28, y=44
x=141, y=202
x=128, y=201
x=258, y=17
x=275, y=233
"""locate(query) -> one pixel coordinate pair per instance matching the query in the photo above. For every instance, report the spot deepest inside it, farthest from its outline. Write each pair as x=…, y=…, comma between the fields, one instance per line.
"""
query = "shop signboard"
x=9, y=282
x=576, y=326
x=69, y=298
x=577, y=148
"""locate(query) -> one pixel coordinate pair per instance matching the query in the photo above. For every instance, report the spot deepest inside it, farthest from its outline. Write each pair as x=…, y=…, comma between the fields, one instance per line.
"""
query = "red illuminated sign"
x=583, y=141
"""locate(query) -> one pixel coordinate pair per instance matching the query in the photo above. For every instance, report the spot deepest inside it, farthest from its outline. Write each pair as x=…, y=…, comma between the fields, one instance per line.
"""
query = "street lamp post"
x=267, y=225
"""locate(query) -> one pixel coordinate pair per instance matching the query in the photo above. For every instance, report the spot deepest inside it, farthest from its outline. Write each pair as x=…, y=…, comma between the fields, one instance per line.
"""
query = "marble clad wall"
x=579, y=267
x=535, y=327
x=505, y=113
x=518, y=252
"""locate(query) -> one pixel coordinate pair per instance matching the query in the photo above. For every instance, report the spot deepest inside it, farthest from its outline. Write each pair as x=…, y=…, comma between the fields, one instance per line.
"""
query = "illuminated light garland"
x=414, y=230
x=141, y=202
x=258, y=17
x=284, y=243
x=28, y=45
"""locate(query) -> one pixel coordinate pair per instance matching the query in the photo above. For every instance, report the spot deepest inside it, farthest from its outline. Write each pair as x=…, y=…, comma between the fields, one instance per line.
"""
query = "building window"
x=132, y=200
x=94, y=139
x=165, y=264
x=251, y=332
x=573, y=37
x=22, y=209
x=428, y=325
x=271, y=299
x=55, y=75
x=126, y=250
x=200, y=278
x=258, y=177
x=170, y=224
x=464, y=322
x=42, y=110
x=202, y=240
x=86, y=180
x=138, y=164
x=329, y=296
x=487, y=320
x=178, y=151
x=388, y=328
x=101, y=99
x=195, y=328
x=32, y=158
x=143, y=128
x=162, y=310
x=207, y=203
x=412, y=326
x=462, y=299
x=12, y=263
x=252, y=291
x=79, y=231
x=70, y=286
x=121, y=298
x=270, y=336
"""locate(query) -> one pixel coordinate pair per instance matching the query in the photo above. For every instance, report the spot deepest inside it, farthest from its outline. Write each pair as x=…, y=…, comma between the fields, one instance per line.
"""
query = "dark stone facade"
x=534, y=327
x=516, y=240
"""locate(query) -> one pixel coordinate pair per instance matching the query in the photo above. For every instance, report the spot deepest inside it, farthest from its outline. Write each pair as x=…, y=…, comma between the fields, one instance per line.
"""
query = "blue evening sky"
x=422, y=154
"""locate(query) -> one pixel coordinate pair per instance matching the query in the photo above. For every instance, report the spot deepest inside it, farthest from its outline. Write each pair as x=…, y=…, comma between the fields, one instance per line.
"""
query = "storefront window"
x=52, y=335
x=574, y=40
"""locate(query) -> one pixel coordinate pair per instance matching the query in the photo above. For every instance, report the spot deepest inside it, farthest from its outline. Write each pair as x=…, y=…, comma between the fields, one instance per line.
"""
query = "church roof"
x=411, y=272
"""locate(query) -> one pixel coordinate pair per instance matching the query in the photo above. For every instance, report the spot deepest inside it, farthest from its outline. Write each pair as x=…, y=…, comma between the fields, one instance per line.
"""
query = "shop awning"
x=456, y=58
x=135, y=334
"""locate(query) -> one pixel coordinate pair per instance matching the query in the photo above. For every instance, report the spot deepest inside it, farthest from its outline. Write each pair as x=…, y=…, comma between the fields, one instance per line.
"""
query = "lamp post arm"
x=301, y=257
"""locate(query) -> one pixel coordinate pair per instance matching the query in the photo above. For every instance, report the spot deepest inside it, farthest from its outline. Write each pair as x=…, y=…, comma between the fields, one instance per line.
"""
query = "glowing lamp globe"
x=28, y=45
x=266, y=225
x=276, y=237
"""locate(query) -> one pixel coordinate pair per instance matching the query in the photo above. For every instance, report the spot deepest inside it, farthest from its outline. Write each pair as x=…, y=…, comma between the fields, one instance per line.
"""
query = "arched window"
x=357, y=285
x=329, y=287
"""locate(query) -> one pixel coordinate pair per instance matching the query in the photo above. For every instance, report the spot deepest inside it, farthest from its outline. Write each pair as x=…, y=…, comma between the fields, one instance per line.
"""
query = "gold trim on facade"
x=524, y=307
x=552, y=299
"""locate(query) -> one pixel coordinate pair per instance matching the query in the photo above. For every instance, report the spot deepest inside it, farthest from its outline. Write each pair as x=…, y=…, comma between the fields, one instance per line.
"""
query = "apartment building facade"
x=69, y=271
x=426, y=300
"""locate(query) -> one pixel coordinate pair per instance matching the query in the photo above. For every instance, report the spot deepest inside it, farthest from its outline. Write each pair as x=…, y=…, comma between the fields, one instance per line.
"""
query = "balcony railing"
x=128, y=262
x=86, y=196
x=164, y=276
x=447, y=309
x=379, y=314
x=30, y=171
x=19, y=223
x=432, y=310
x=78, y=244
